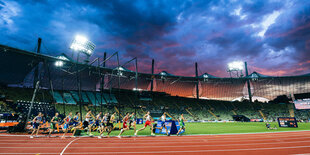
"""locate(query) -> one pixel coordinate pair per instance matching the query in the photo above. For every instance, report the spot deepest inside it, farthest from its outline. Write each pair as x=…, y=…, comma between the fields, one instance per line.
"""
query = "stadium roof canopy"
x=16, y=64
x=19, y=68
x=306, y=74
x=164, y=73
x=122, y=69
x=258, y=75
x=206, y=75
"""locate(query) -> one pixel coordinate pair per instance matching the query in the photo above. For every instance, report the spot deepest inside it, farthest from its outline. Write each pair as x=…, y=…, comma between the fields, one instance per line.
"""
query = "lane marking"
x=156, y=146
x=68, y=145
x=158, y=142
x=167, y=139
x=267, y=132
x=129, y=140
x=164, y=152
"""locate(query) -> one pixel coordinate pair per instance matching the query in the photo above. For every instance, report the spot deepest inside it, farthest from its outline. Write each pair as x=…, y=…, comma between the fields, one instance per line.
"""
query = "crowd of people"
x=100, y=123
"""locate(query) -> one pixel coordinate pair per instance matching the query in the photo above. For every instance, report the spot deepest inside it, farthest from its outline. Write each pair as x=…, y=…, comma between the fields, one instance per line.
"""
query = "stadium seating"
x=22, y=107
x=92, y=98
x=58, y=98
x=84, y=97
x=130, y=101
x=100, y=98
x=68, y=98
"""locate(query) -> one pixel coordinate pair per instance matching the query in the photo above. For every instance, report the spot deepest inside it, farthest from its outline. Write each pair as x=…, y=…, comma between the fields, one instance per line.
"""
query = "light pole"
x=81, y=44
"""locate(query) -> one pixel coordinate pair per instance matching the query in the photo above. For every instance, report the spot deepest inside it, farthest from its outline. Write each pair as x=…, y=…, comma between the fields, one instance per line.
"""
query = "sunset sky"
x=272, y=36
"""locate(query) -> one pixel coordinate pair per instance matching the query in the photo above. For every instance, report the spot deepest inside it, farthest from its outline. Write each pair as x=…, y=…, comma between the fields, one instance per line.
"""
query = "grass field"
x=219, y=128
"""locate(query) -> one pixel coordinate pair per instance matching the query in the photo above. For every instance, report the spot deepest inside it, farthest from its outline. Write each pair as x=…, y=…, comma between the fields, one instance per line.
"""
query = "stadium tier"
x=130, y=101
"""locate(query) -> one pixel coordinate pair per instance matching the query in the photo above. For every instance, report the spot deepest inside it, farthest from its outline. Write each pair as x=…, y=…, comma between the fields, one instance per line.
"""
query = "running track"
x=253, y=144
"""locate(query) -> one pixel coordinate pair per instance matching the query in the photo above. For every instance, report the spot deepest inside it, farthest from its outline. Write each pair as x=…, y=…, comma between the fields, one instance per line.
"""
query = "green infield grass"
x=216, y=128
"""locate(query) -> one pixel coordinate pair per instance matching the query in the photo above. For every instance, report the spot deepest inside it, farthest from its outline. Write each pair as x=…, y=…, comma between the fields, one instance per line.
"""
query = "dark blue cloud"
x=272, y=36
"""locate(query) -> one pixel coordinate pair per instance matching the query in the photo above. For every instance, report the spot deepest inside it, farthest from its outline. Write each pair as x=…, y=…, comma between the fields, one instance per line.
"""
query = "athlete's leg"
x=183, y=127
x=50, y=132
x=109, y=129
x=65, y=130
x=134, y=126
x=140, y=130
x=34, y=130
x=38, y=131
x=152, y=132
x=89, y=129
x=74, y=130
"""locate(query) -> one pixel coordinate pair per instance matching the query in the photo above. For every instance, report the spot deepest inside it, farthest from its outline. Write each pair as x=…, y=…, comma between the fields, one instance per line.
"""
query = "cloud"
x=272, y=36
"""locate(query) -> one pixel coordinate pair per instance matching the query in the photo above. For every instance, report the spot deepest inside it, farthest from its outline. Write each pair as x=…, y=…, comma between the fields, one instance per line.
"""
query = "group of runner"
x=101, y=123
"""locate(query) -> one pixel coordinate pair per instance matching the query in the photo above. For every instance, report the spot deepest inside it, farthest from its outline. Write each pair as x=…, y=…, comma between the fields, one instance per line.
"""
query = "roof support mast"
x=36, y=84
x=152, y=76
x=248, y=81
x=197, y=84
x=102, y=80
x=35, y=78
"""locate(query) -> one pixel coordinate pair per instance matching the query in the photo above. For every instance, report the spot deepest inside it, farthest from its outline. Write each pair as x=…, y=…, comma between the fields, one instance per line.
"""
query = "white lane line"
x=257, y=136
x=165, y=152
x=193, y=151
x=68, y=145
x=247, y=133
x=170, y=146
x=267, y=132
x=170, y=139
x=160, y=142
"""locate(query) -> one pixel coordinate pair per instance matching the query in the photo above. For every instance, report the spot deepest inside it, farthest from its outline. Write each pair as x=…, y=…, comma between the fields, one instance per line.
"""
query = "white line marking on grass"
x=68, y=145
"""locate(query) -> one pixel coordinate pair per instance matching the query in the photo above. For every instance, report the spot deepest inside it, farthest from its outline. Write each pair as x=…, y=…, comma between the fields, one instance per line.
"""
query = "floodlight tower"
x=81, y=44
x=235, y=67
x=238, y=66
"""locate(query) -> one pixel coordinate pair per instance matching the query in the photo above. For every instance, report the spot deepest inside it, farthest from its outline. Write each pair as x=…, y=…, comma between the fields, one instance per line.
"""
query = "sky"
x=272, y=36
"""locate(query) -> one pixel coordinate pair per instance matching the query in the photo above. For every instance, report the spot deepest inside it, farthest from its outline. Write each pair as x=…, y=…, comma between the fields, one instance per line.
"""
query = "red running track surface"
x=253, y=144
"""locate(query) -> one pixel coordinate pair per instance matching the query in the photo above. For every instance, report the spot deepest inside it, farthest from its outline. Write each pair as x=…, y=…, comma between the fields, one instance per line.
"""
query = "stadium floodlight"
x=62, y=58
x=235, y=66
x=205, y=76
x=59, y=63
x=137, y=89
x=82, y=44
